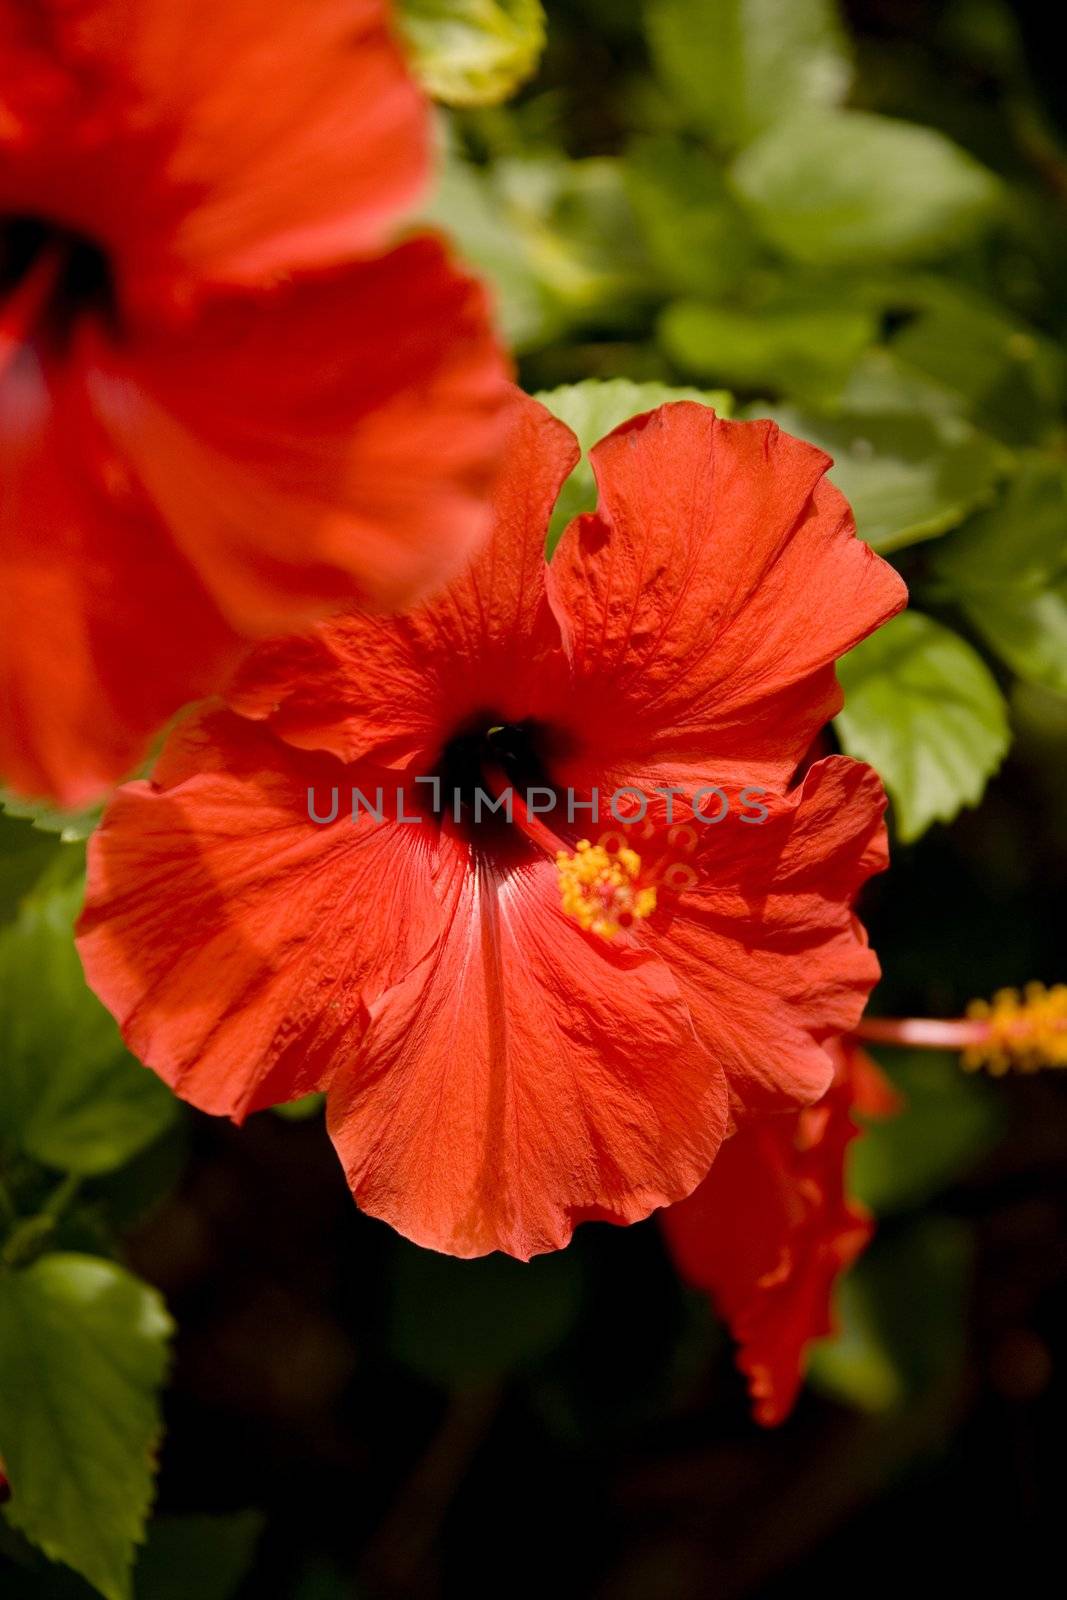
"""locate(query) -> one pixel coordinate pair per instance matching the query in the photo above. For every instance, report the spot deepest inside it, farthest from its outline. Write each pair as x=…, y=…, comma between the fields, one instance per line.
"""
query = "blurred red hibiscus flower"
x=771, y=1227
x=518, y=1030
x=222, y=410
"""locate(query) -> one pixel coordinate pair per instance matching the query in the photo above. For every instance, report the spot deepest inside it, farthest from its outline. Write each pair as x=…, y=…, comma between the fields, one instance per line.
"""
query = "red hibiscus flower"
x=219, y=415
x=518, y=1029
x=771, y=1227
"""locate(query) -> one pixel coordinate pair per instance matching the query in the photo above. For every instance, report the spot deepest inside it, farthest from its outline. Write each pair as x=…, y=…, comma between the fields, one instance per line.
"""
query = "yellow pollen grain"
x=601, y=889
x=1025, y=1032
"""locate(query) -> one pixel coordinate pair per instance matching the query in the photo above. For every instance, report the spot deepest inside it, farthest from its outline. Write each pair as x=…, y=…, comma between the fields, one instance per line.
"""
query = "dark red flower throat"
x=50, y=277
x=490, y=755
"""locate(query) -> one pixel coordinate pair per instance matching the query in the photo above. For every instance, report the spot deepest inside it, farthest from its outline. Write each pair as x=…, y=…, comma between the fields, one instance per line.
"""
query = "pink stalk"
x=928, y=1033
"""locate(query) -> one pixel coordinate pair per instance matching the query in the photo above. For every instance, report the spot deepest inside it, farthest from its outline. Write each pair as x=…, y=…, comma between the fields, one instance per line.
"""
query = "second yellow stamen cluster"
x=1025, y=1032
x=601, y=889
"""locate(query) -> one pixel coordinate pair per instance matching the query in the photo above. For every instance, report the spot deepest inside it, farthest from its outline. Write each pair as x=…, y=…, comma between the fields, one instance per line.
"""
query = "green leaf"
x=123, y=1198
x=556, y=239
x=69, y=825
x=83, y=1351
x=698, y=237
x=846, y=188
x=302, y=1110
x=948, y=1121
x=908, y=475
x=473, y=52
x=902, y=1314
x=591, y=410
x=922, y=707
x=71, y=1096
x=578, y=230
x=881, y=385
x=1008, y=570
x=737, y=66
x=466, y=1322
x=855, y=1365
x=465, y=204
x=808, y=349
x=25, y=855
x=197, y=1558
x=1009, y=379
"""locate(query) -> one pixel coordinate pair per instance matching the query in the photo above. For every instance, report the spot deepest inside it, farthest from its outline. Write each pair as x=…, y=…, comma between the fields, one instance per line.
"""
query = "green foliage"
x=1008, y=570
x=591, y=410
x=907, y=475
x=24, y=856
x=947, y=1122
x=901, y=1313
x=1002, y=373
x=302, y=1110
x=855, y=1365
x=468, y=1322
x=924, y=710
x=737, y=66
x=83, y=1349
x=473, y=52
x=808, y=348
x=82, y=1343
x=575, y=220
x=69, y=825
x=197, y=1558
x=182, y=1558
x=71, y=1096
x=845, y=188
x=698, y=238
x=556, y=239
x=465, y=203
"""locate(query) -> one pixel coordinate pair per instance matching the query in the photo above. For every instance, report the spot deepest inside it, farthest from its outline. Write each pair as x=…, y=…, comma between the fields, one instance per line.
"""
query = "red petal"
x=277, y=456
x=766, y=949
x=872, y=1093
x=522, y=1078
x=392, y=687
x=344, y=429
x=234, y=939
x=212, y=144
x=768, y=1232
x=712, y=592
x=495, y=1076
x=104, y=628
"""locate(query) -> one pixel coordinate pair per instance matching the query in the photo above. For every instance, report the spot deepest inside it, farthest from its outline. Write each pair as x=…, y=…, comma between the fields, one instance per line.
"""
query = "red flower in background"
x=770, y=1229
x=220, y=414
x=497, y=1069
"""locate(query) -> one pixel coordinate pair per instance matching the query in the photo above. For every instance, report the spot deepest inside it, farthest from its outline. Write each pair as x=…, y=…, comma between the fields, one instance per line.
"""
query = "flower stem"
x=28, y=1238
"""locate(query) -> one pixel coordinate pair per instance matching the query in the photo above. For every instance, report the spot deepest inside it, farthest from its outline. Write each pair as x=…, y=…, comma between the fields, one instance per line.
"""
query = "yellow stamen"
x=1024, y=1033
x=602, y=888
